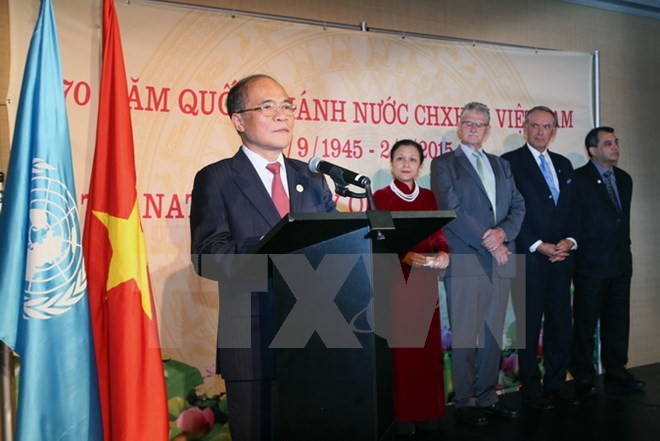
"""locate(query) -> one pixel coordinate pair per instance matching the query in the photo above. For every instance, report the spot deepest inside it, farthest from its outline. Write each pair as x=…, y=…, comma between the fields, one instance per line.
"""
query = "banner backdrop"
x=357, y=92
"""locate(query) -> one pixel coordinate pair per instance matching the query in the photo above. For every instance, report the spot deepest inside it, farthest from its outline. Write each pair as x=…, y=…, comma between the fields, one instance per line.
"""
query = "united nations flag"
x=44, y=309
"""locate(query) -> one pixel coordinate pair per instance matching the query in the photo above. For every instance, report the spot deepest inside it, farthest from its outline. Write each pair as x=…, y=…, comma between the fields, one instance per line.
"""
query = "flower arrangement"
x=197, y=405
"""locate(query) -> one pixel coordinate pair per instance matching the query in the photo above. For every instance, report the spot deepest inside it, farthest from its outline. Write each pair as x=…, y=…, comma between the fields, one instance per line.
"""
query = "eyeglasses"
x=471, y=124
x=270, y=109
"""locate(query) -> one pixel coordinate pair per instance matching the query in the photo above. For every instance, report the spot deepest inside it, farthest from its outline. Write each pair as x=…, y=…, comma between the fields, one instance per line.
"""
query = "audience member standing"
x=603, y=266
x=544, y=178
x=480, y=188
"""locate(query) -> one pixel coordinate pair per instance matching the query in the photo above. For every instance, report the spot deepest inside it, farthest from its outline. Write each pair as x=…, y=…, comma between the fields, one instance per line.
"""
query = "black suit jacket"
x=544, y=220
x=604, y=234
x=230, y=211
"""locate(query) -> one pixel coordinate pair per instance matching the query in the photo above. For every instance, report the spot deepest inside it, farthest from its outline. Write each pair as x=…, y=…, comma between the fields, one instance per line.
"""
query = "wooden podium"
x=340, y=394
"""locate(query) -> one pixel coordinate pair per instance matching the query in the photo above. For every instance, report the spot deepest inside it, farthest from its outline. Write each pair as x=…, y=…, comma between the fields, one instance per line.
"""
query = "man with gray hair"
x=480, y=188
x=547, y=237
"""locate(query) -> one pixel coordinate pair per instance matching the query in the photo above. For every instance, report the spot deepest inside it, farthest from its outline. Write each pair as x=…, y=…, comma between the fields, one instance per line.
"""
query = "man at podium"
x=235, y=202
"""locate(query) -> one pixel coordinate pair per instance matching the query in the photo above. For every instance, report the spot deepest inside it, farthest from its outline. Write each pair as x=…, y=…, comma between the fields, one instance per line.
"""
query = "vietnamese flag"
x=130, y=369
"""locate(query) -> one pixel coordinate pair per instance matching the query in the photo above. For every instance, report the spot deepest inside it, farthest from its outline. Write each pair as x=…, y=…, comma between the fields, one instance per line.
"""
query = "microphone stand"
x=379, y=220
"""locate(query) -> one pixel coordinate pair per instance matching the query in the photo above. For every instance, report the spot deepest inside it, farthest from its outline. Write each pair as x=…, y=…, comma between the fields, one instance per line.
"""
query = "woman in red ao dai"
x=419, y=401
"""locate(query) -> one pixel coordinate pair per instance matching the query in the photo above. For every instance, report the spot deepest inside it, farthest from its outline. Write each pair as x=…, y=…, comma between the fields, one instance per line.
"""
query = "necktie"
x=547, y=174
x=607, y=177
x=277, y=192
x=486, y=180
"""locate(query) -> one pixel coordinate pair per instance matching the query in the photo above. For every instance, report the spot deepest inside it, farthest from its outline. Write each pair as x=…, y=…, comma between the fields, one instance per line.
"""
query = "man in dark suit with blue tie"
x=234, y=203
x=489, y=210
x=603, y=266
x=545, y=180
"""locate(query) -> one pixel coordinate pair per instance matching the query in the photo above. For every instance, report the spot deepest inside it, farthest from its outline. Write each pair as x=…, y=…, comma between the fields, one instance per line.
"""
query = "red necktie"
x=280, y=199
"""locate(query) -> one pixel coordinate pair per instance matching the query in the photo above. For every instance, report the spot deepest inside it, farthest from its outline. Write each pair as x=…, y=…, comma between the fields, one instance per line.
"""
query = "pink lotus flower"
x=196, y=422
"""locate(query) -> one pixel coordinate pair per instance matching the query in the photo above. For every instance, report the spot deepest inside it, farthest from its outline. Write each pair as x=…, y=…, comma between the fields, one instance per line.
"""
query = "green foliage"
x=186, y=390
x=181, y=378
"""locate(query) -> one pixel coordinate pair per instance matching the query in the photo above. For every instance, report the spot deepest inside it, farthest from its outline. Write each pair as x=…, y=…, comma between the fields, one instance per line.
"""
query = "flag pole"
x=7, y=390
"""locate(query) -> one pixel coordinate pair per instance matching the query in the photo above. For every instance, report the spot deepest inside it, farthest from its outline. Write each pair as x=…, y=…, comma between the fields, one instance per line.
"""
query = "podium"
x=340, y=393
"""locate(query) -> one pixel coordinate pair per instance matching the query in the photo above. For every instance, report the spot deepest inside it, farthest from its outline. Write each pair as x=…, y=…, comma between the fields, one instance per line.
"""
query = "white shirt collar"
x=258, y=161
x=536, y=153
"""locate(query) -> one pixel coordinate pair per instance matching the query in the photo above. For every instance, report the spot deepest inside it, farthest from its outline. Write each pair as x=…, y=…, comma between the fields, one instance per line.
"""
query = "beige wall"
x=4, y=84
x=630, y=77
x=630, y=72
x=630, y=61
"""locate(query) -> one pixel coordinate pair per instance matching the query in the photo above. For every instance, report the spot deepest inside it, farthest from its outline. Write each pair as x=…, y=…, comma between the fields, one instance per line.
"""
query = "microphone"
x=339, y=175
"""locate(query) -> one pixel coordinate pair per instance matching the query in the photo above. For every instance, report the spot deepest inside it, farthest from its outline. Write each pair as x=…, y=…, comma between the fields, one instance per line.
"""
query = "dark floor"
x=614, y=415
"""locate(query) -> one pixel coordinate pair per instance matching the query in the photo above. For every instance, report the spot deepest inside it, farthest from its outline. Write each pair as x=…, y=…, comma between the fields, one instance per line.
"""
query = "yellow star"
x=129, y=257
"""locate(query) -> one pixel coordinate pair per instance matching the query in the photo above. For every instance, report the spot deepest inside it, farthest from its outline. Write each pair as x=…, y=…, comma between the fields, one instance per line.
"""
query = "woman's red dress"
x=417, y=371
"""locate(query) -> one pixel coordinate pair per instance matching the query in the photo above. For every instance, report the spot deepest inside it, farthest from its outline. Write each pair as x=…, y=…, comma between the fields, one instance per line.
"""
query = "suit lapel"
x=538, y=174
x=503, y=187
x=533, y=166
x=248, y=182
x=464, y=162
x=561, y=180
x=624, y=190
x=595, y=177
x=560, y=174
x=497, y=171
x=297, y=185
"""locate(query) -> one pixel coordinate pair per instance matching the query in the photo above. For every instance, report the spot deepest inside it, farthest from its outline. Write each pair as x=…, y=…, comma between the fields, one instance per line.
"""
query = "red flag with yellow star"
x=130, y=369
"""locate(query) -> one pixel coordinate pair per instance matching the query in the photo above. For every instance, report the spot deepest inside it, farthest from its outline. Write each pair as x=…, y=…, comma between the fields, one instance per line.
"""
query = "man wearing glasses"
x=235, y=202
x=489, y=210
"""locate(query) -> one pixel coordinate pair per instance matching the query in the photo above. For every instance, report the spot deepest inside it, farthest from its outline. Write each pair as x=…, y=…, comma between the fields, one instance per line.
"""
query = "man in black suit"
x=234, y=203
x=489, y=211
x=603, y=265
x=545, y=180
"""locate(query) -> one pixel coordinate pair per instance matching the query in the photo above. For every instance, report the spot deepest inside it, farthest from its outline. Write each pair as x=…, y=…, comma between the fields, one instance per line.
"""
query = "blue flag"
x=44, y=308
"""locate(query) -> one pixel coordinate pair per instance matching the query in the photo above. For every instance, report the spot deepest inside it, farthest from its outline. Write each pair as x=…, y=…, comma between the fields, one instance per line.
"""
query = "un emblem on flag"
x=55, y=277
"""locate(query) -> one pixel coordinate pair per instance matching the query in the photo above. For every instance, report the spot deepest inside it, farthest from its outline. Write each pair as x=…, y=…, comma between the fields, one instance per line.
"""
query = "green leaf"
x=223, y=405
x=174, y=431
x=219, y=433
x=175, y=406
x=180, y=378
